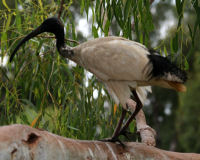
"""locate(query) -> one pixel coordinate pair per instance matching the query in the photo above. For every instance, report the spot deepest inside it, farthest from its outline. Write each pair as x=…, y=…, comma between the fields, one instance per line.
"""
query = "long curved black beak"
x=34, y=33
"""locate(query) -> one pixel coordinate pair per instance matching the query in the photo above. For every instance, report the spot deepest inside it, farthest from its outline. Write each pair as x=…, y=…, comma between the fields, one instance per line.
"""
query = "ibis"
x=126, y=68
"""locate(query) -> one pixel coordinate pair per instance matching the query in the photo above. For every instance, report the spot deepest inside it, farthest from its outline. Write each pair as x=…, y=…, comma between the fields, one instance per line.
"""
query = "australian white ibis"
x=127, y=68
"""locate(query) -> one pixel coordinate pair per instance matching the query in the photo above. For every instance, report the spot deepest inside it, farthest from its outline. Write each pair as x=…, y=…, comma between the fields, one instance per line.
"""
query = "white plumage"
x=127, y=68
x=117, y=62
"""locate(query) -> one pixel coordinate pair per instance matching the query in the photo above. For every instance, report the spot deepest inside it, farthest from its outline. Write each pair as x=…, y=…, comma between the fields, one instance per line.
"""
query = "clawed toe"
x=128, y=135
x=113, y=140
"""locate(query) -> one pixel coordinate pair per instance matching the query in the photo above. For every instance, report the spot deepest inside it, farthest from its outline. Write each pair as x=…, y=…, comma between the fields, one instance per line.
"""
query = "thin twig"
x=70, y=40
x=41, y=36
x=61, y=9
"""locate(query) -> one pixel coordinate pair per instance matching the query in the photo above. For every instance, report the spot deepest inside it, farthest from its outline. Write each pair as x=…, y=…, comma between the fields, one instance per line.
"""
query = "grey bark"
x=21, y=142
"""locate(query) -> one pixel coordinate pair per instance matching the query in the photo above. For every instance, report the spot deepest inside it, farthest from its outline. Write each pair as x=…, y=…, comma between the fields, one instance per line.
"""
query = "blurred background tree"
x=43, y=90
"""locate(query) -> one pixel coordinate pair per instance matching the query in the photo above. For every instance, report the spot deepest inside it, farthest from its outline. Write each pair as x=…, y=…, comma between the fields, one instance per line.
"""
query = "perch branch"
x=147, y=133
x=23, y=142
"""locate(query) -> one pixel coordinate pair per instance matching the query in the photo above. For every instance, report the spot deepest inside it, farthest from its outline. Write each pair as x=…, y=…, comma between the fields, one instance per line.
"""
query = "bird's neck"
x=60, y=41
x=64, y=50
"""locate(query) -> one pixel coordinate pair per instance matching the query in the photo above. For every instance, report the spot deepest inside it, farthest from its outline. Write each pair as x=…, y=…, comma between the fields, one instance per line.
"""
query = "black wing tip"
x=161, y=67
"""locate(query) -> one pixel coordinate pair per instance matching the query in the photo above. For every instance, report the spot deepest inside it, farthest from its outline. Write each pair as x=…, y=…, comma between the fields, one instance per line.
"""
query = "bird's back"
x=113, y=58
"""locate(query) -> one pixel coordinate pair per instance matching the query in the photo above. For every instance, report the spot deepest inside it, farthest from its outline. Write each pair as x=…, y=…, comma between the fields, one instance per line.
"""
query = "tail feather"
x=177, y=86
x=143, y=92
x=162, y=68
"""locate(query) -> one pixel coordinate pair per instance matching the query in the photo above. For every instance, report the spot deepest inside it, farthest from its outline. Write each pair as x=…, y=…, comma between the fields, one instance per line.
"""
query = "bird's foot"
x=113, y=140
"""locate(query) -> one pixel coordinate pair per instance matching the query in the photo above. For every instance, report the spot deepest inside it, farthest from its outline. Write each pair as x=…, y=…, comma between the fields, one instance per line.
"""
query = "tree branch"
x=23, y=142
x=61, y=9
x=147, y=134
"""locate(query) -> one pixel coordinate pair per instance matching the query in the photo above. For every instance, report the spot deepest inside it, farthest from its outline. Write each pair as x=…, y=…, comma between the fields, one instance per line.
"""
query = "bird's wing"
x=119, y=59
x=122, y=91
x=118, y=62
x=114, y=58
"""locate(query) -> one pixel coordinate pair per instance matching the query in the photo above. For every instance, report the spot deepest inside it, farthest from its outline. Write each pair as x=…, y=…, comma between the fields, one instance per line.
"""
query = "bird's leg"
x=119, y=124
x=138, y=107
x=147, y=133
x=114, y=138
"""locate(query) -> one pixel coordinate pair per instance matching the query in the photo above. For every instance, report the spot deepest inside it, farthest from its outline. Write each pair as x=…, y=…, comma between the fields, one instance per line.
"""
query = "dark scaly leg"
x=119, y=124
x=138, y=107
x=114, y=138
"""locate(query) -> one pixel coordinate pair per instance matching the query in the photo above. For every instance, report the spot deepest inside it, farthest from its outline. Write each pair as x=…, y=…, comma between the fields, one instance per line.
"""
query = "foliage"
x=40, y=88
x=188, y=113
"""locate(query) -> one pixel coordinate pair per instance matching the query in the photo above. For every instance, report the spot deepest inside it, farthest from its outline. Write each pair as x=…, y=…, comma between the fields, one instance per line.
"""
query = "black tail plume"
x=163, y=68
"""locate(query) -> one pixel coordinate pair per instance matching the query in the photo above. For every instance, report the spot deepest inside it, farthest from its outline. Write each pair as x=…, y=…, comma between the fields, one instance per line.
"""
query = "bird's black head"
x=52, y=25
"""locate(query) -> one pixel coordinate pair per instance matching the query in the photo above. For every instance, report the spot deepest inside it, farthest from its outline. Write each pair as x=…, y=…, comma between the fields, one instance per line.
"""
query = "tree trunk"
x=21, y=142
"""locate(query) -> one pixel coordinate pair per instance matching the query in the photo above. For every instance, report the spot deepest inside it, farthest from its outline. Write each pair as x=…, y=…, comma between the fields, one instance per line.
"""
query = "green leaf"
x=132, y=126
x=82, y=7
x=3, y=39
x=5, y=5
x=149, y=24
x=99, y=14
x=109, y=12
x=118, y=13
x=186, y=65
x=18, y=19
x=136, y=23
x=106, y=28
x=178, y=6
x=141, y=38
x=190, y=30
x=73, y=31
x=27, y=102
x=87, y=3
x=140, y=6
x=165, y=51
x=127, y=9
x=175, y=43
x=73, y=128
x=129, y=28
x=93, y=15
x=8, y=21
x=171, y=48
x=24, y=119
x=191, y=35
x=97, y=4
x=40, y=4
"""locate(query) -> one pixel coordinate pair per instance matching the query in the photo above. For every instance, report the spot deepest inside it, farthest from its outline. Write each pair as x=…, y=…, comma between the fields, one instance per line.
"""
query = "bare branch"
x=23, y=142
x=147, y=133
x=61, y=8
x=71, y=40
